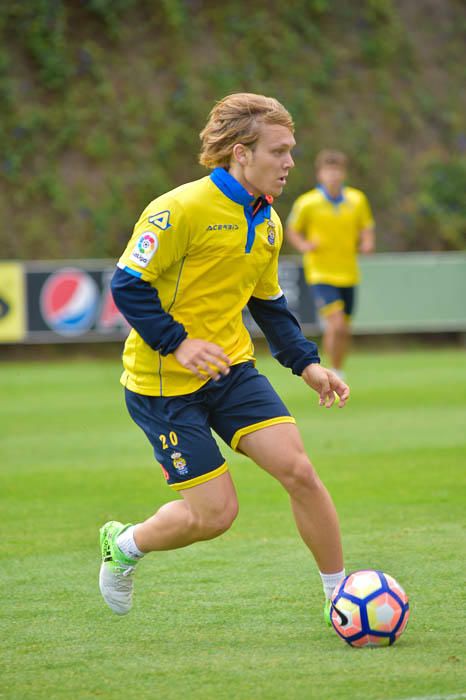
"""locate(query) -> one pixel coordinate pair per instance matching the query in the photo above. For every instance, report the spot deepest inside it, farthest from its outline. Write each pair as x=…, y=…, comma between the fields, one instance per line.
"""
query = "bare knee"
x=338, y=324
x=301, y=477
x=216, y=520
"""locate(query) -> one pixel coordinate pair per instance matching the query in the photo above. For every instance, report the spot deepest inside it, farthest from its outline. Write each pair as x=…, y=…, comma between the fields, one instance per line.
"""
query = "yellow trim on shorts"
x=200, y=479
x=337, y=305
x=257, y=426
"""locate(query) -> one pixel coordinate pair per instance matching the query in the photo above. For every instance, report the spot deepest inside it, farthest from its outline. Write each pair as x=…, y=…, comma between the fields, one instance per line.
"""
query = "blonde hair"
x=329, y=157
x=237, y=119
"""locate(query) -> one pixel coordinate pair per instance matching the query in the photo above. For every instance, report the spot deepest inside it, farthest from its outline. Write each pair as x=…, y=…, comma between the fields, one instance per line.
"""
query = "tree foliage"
x=102, y=102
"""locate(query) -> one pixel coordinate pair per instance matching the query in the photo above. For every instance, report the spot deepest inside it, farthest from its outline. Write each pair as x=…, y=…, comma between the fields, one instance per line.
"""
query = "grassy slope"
x=381, y=80
x=239, y=617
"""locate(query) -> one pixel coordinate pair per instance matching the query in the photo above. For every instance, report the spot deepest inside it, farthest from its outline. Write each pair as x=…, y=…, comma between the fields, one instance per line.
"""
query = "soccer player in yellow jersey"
x=330, y=225
x=198, y=255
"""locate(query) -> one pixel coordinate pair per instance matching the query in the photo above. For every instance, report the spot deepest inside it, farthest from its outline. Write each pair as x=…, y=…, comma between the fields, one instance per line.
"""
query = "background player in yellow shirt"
x=330, y=225
x=198, y=255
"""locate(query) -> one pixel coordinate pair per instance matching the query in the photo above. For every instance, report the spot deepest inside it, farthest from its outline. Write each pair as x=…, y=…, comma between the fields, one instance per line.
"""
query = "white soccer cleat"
x=116, y=571
x=117, y=588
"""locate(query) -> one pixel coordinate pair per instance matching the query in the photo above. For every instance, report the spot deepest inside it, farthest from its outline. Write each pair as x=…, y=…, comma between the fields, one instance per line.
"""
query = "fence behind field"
x=70, y=301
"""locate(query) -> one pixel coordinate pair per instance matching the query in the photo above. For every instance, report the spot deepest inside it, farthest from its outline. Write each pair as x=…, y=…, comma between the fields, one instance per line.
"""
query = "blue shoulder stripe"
x=132, y=272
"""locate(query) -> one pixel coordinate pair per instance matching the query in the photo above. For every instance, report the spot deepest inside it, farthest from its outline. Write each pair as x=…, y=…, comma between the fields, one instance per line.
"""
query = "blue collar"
x=334, y=200
x=230, y=187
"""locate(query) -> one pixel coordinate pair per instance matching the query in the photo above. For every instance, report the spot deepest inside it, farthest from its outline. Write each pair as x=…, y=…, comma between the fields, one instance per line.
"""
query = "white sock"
x=329, y=581
x=125, y=542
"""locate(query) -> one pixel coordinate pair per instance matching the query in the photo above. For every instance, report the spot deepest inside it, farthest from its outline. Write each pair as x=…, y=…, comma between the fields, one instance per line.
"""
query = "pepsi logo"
x=69, y=301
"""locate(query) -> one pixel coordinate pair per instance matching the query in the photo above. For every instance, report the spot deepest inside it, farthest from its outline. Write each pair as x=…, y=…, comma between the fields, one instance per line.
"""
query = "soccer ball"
x=369, y=609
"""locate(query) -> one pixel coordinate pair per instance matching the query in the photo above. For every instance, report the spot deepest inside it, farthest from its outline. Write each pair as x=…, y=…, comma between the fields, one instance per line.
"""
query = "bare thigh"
x=336, y=321
x=212, y=498
x=278, y=449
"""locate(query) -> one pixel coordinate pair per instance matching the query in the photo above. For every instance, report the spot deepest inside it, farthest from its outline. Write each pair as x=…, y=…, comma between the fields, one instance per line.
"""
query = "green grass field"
x=239, y=617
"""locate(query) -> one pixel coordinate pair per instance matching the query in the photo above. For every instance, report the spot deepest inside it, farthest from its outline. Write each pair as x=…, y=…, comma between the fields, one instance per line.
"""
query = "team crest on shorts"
x=270, y=231
x=179, y=463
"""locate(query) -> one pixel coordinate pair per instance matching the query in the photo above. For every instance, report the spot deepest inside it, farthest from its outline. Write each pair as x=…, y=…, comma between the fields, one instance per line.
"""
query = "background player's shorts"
x=179, y=427
x=329, y=299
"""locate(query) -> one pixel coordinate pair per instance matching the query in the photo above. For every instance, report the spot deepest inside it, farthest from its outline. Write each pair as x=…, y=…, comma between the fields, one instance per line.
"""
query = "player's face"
x=331, y=177
x=265, y=168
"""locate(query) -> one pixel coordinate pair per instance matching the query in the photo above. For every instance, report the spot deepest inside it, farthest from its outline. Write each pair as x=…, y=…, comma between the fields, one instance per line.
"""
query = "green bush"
x=102, y=102
x=437, y=214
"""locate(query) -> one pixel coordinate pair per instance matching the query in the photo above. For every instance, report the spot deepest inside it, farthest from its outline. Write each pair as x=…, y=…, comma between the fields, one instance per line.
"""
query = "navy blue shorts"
x=329, y=299
x=180, y=427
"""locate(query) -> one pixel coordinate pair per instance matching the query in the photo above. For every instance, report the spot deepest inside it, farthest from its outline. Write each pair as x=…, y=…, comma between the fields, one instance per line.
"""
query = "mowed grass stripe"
x=239, y=617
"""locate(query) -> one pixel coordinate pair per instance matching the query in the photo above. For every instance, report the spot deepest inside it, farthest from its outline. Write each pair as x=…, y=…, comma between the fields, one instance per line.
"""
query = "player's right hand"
x=202, y=358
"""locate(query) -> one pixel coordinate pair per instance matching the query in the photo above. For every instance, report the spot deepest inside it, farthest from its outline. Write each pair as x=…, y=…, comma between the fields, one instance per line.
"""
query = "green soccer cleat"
x=327, y=610
x=116, y=571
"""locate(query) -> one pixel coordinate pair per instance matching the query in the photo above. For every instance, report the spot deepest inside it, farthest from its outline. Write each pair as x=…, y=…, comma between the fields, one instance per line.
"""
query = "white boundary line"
x=436, y=697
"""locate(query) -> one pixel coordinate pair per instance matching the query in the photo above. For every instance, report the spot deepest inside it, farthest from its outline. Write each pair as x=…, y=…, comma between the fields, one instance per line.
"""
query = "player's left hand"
x=367, y=247
x=327, y=385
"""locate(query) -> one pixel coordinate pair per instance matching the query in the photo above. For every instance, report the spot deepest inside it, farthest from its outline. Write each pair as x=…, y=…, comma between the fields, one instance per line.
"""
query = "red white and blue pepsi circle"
x=69, y=301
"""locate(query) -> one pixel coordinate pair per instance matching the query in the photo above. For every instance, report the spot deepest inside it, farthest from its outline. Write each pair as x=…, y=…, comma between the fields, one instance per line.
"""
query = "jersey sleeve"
x=366, y=220
x=160, y=239
x=268, y=286
x=283, y=333
x=298, y=216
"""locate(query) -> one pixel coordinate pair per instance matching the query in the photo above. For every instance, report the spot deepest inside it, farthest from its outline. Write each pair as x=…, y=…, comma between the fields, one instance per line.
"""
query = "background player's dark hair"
x=331, y=157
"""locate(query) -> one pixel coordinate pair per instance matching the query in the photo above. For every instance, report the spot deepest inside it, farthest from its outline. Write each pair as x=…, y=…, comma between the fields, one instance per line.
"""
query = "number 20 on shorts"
x=172, y=438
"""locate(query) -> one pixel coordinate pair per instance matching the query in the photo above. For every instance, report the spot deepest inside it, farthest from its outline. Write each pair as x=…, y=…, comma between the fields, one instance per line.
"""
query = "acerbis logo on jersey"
x=225, y=227
x=144, y=249
x=161, y=220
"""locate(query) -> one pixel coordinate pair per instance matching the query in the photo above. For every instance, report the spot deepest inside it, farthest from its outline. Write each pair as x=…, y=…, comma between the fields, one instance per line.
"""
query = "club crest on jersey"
x=161, y=220
x=144, y=249
x=270, y=231
x=179, y=463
